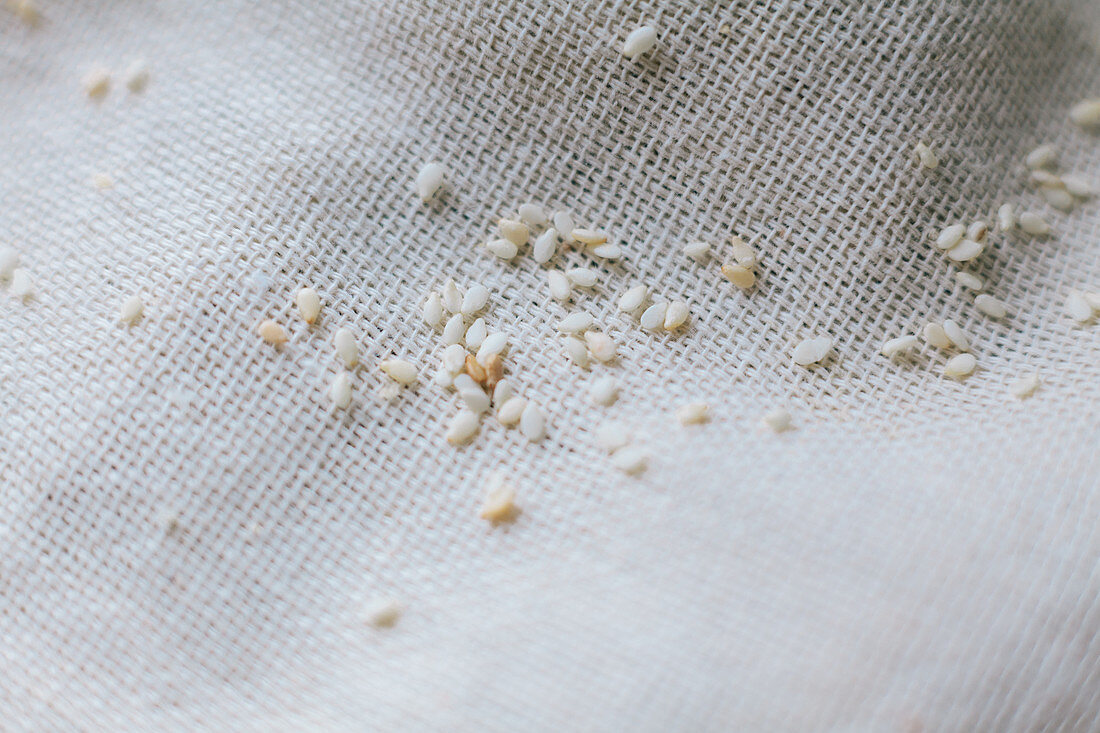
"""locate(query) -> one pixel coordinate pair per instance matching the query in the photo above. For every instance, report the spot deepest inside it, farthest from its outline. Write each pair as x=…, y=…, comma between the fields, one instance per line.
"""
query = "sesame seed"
x=27, y=11
x=958, y=337
x=1006, y=218
x=476, y=334
x=502, y=392
x=1044, y=179
x=399, y=370
x=533, y=214
x=1078, y=185
x=499, y=504
x=474, y=300
x=492, y=345
x=340, y=391
x=607, y=251
x=576, y=351
x=463, y=427
x=968, y=280
x=1033, y=224
x=131, y=309
x=743, y=253
x=432, y=311
x=676, y=315
x=502, y=248
x=511, y=410
x=611, y=436
x=950, y=236
x=697, y=250
x=475, y=371
x=581, y=277
x=632, y=299
x=464, y=381
x=532, y=423
x=604, y=391
x=778, y=420
x=935, y=335
x=590, y=237
x=693, y=413
x=965, y=250
x=960, y=366
x=494, y=371
x=136, y=76
x=472, y=395
x=1059, y=198
x=653, y=317
x=563, y=222
x=443, y=378
x=990, y=306
x=899, y=345
x=429, y=180
x=452, y=296
x=925, y=156
x=600, y=345
x=1086, y=113
x=347, y=350
x=9, y=261
x=514, y=231
x=639, y=41
x=812, y=350
x=1093, y=300
x=22, y=284
x=739, y=275
x=454, y=358
x=977, y=231
x=272, y=333
x=1044, y=156
x=575, y=322
x=97, y=83
x=103, y=181
x=560, y=287
x=309, y=304
x=454, y=330
x=546, y=244
x=630, y=460
x=1025, y=386
x=1078, y=307
x=382, y=612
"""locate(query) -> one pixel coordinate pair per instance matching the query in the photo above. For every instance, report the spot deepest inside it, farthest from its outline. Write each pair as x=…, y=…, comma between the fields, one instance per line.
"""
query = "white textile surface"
x=188, y=534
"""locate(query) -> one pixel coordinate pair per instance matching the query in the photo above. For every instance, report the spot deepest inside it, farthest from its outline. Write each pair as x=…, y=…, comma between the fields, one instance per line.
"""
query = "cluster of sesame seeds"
x=97, y=81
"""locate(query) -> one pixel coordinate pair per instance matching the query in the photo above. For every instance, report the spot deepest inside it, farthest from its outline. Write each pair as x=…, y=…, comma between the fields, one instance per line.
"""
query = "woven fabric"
x=189, y=534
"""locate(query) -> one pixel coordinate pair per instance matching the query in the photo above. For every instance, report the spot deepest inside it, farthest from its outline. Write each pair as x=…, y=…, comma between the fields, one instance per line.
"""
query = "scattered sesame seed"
x=429, y=180
x=581, y=277
x=630, y=460
x=968, y=280
x=97, y=83
x=399, y=370
x=607, y=251
x=1044, y=179
x=492, y=345
x=532, y=423
x=388, y=391
x=471, y=394
x=604, y=391
x=1025, y=387
x=502, y=248
x=639, y=41
x=632, y=299
x=676, y=315
x=309, y=304
x=778, y=420
x=533, y=214
x=576, y=351
x=22, y=284
x=1006, y=218
x=452, y=296
x=611, y=436
x=347, y=350
x=454, y=330
x=812, y=350
x=9, y=261
x=960, y=366
x=653, y=317
x=563, y=222
x=514, y=231
x=697, y=250
x=1078, y=307
x=340, y=391
x=577, y=322
x=443, y=378
x=499, y=504
x=977, y=231
x=560, y=287
x=899, y=345
x=739, y=275
x=600, y=345
x=926, y=157
x=494, y=371
x=463, y=427
x=957, y=336
x=950, y=236
x=1033, y=224
x=743, y=252
x=382, y=612
x=590, y=237
x=1086, y=113
x=991, y=306
x=272, y=333
x=693, y=413
x=454, y=358
x=1059, y=198
x=1093, y=300
x=935, y=335
x=476, y=334
x=131, y=309
x=432, y=311
x=546, y=244
x=511, y=410
x=103, y=181
x=1078, y=185
x=502, y=392
x=965, y=250
x=475, y=371
x=474, y=300
x=1044, y=156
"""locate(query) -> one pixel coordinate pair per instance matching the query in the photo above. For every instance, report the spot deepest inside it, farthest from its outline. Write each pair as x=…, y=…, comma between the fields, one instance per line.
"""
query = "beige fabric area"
x=919, y=554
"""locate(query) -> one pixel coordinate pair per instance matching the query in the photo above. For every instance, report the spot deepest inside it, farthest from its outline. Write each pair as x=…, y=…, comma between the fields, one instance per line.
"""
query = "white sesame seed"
x=743, y=252
x=935, y=335
x=1025, y=386
x=103, y=181
x=452, y=296
x=514, y=231
x=464, y=381
x=1045, y=179
x=812, y=350
x=454, y=330
x=693, y=413
x=1078, y=307
x=1079, y=186
x=131, y=309
x=960, y=366
x=97, y=83
x=631, y=460
x=382, y=612
x=136, y=76
x=607, y=251
x=463, y=427
x=560, y=287
x=1086, y=113
x=533, y=214
x=563, y=222
x=991, y=306
x=454, y=358
x=676, y=315
x=1093, y=299
x=577, y=322
x=977, y=231
x=494, y=343
x=474, y=300
x=633, y=298
x=639, y=41
x=429, y=180
x=611, y=436
x=546, y=244
x=532, y=423
x=899, y=345
x=347, y=350
x=502, y=392
x=968, y=280
x=499, y=504
x=399, y=370
x=589, y=237
x=581, y=277
x=965, y=250
x=957, y=335
x=1059, y=198
x=476, y=334
x=510, y=411
x=340, y=391
x=1033, y=224
x=1006, y=218
x=432, y=311
x=778, y=420
x=926, y=157
x=739, y=275
x=309, y=304
x=1044, y=156
x=443, y=378
x=604, y=391
x=272, y=332
x=697, y=250
x=472, y=395
x=950, y=236
x=653, y=317
x=502, y=248
x=22, y=285
x=600, y=345
x=9, y=261
x=576, y=351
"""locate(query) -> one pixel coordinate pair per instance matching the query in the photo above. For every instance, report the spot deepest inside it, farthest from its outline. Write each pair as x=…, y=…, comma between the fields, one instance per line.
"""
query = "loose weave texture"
x=189, y=534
